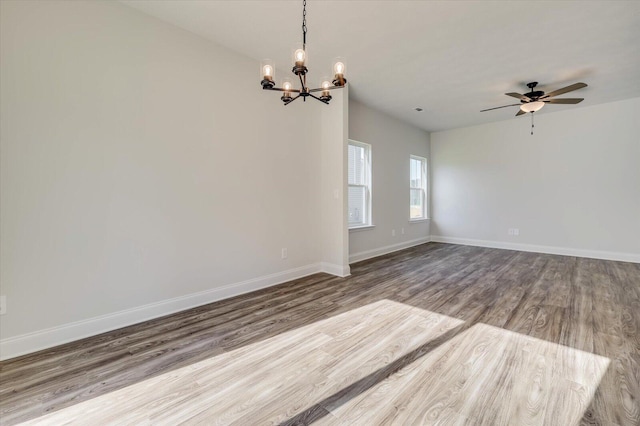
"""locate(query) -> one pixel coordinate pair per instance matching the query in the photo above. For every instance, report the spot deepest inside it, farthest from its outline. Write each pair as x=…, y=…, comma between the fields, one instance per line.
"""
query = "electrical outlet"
x=511, y=231
x=516, y=231
x=393, y=232
x=3, y=305
x=402, y=231
x=284, y=253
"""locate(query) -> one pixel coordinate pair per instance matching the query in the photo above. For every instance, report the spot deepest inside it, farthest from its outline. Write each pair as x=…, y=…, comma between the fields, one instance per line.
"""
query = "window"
x=417, y=188
x=359, y=184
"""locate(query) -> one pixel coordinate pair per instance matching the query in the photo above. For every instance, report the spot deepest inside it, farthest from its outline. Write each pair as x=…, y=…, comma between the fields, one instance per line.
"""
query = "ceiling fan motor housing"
x=533, y=95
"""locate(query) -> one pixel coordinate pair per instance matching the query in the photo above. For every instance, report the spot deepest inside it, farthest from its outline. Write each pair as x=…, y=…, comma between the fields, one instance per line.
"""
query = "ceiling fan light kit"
x=532, y=106
x=267, y=70
x=534, y=100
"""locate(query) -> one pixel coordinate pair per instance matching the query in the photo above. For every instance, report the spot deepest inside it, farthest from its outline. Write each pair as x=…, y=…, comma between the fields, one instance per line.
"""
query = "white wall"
x=333, y=195
x=571, y=188
x=143, y=171
x=392, y=142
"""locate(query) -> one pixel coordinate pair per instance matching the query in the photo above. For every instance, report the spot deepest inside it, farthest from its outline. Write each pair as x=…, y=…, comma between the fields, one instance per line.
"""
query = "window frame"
x=368, y=171
x=423, y=188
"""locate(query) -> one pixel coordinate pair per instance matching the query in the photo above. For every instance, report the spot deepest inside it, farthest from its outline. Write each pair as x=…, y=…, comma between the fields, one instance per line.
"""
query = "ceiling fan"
x=536, y=99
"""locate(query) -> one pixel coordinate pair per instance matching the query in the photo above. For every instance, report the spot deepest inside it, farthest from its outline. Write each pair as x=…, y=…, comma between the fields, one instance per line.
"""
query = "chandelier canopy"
x=268, y=70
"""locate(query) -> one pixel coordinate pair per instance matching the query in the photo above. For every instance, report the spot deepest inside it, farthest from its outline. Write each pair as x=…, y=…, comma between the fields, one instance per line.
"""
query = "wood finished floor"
x=436, y=334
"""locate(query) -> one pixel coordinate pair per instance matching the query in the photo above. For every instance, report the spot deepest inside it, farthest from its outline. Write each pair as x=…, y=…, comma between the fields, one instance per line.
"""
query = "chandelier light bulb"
x=300, y=55
x=532, y=106
x=338, y=70
x=286, y=86
x=267, y=74
x=325, y=85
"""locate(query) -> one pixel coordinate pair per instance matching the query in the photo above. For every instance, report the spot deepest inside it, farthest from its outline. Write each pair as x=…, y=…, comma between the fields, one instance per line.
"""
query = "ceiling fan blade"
x=564, y=101
x=520, y=112
x=571, y=88
x=504, y=106
x=519, y=96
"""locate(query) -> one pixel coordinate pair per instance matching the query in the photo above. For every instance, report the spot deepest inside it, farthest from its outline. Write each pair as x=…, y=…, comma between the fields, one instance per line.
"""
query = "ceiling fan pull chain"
x=532, y=122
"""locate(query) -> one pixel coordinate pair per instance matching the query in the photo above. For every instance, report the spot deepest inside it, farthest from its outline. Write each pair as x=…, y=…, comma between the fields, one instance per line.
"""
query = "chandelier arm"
x=279, y=89
x=315, y=97
x=302, y=82
x=288, y=102
x=321, y=89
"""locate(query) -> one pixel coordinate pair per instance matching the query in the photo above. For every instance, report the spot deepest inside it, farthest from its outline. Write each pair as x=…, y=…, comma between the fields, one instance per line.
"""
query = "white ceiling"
x=451, y=58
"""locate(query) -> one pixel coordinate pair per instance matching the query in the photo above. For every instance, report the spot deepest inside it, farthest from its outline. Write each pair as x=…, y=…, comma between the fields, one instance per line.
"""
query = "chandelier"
x=268, y=69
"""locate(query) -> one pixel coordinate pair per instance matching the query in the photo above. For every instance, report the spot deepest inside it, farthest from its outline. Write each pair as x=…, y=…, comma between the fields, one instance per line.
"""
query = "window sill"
x=424, y=219
x=361, y=228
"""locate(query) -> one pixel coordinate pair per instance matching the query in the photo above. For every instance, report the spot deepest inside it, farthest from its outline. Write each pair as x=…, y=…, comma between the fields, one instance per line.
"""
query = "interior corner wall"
x=572, y=188
x=143, y=171
x=392, y=143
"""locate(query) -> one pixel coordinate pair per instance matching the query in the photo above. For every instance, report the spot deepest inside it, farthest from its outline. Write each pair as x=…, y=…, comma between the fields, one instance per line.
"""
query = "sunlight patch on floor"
x=485, y=375
x=335, y=371
x=271, y=380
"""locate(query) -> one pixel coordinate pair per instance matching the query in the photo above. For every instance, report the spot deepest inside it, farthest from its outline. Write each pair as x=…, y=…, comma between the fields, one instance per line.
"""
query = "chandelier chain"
x=304, y=24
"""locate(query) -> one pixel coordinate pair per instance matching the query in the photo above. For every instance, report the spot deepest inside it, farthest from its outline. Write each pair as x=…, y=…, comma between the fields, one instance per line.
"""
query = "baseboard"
x=333, y=269
x=43, y=339
x=368, y=254
x=563, y=251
